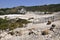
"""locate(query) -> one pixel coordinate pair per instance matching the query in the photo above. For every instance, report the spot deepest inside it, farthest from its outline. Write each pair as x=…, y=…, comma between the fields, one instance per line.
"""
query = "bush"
x=45, y=32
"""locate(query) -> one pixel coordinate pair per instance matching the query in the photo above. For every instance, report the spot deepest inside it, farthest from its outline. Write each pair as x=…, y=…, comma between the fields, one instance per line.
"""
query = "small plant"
x=30, y=18
x=31, y=33
x=12, y=33
x=52, y=27
x=49, y=22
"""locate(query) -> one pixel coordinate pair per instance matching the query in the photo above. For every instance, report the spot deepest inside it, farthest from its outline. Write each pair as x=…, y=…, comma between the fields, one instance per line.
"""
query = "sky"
x=14, y=3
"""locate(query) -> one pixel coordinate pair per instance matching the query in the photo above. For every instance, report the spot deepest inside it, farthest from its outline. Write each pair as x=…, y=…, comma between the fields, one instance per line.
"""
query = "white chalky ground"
x=36, y=28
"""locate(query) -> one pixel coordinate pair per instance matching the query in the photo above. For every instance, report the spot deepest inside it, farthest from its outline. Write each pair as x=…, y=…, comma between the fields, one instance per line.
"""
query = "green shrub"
x=6, y=24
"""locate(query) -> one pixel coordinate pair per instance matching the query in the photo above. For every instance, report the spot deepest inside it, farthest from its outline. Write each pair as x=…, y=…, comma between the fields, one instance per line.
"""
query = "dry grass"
x=45, y=32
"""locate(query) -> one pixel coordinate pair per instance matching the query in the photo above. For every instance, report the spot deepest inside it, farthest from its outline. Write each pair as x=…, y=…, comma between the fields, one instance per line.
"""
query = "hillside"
x=51, y=8
x=44, y=8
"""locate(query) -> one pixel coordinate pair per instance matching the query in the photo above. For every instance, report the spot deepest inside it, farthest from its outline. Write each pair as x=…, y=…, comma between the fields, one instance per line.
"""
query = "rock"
x=3, y=34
